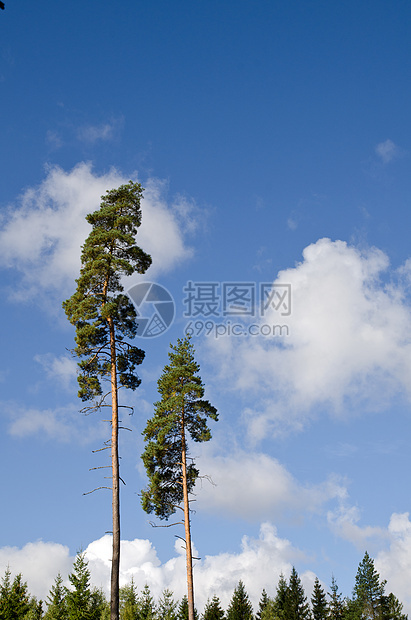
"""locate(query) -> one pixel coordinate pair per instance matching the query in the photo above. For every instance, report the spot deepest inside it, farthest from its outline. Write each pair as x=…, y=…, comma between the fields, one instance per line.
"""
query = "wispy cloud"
x=104, y=132
x=61, y=424
x=256, y=486
x=387, y=151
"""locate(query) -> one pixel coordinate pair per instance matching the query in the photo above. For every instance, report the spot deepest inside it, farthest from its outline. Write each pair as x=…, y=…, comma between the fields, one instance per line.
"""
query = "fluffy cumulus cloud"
x=258, y=563
x=256, y=486
x=348, y=341
x=38, y=563
x=41, y=235
x=394, y=563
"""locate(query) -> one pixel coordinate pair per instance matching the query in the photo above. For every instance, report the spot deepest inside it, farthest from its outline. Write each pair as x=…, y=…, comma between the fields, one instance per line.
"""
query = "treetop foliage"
x=81, y=601
x=98, y=304
x=181, y=410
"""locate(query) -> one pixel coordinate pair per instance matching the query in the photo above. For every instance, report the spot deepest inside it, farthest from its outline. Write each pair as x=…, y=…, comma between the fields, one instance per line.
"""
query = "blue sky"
x=273, y=140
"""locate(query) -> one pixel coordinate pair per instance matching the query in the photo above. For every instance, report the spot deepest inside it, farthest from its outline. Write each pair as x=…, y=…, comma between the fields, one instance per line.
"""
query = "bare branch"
x=168, y=524
x=97, y=489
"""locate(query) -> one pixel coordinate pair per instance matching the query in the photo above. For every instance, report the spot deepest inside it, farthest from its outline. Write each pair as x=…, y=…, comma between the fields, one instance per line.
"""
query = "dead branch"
x=97, y=489
x=168, y=524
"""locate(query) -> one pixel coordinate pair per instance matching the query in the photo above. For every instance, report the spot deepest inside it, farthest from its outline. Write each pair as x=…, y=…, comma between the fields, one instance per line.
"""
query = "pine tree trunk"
x=115, y=565
x=190, y=584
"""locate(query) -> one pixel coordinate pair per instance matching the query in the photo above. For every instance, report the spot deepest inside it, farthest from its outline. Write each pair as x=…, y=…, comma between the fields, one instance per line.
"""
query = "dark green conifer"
x=264, y=600
x=146, y=605
x=336, y=604
x=83, y=602
x=296, y=606
x=167, y=606
x=213, y=610
x=129, y=603
x=180, y=414
x=280, y=600
x=14, y=597
x=368, y=592
x=240, y=607
x=104, y=317
x=319, y=602
x=56, y=603
x=183, y=609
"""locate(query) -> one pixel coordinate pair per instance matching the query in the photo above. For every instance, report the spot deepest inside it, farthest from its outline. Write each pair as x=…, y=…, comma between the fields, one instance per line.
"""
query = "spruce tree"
x=336, y=604
x=296, y=606
x=264, y=600
x=14, y=597
x=280, y=600
x=181, y=413
x=319, y=602
x=240, y=607
x=183, y=609
x=368, y=592
x=56, y=601
x=146, y=605
x=104, y=317
x=213, y=610
x=167, y=606
x=82, y=602
x=129, y=604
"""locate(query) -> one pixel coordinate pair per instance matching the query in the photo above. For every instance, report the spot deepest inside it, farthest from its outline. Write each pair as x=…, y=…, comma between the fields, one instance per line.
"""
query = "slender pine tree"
x=180, y=414
x=104, y=317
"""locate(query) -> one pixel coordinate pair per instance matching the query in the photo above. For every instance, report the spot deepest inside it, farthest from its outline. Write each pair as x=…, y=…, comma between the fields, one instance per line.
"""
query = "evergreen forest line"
x=78, y=601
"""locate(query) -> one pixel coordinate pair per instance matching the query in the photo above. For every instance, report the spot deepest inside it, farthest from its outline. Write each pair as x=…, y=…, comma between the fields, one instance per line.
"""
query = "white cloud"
x=349, y=343
x=63, y=424
x=42, y=234
x=394, y=564
x=256, y=486
x=62, y=369
x=387, y=150
x=38, y=563
x=258, y=563
x=344, y=523
x=99, y=133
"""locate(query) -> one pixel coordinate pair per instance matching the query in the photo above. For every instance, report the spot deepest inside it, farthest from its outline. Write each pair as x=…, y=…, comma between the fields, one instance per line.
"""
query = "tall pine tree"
x=104, y=317
x=180, y=414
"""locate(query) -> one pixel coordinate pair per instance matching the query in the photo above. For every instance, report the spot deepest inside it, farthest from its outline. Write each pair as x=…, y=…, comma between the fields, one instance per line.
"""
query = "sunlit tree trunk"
x=189, y=556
